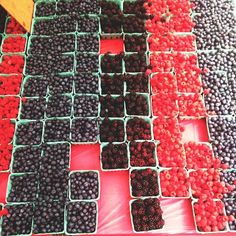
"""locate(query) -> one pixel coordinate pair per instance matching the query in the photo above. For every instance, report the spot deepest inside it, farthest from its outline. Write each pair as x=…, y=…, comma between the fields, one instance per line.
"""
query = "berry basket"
x=146, y=96
x=24, y=37
x=9, y=188
x=66, y=218
x=31, y=219
x=84, y=171
x=143, y=169
x=170, y=197
x=132, y=219
x=104, y=145
x=195, y=222
x=155, y=157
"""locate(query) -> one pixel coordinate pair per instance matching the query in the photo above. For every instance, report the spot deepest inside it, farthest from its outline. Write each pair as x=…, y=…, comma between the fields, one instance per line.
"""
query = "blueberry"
x=23, y=188
x=33, y=109
x=88, y=24
x=85, y=106
x=55, y=157
x=229, y=177
x=29, y=133
x=45, y=9
x=87, y=62
x=81, y=217
x=77, y=8
x=49, y=64
x=59, y=106
x=230, y=206
x=53, y=185
x=86, y=83
x=84, y=185
x=18, y=221
x=61, y=84
x=35, y=87
x=48, y=217
x=26, y=159
x=87, y=43
x=60, y=43
x=57, y=130
x=84, y=130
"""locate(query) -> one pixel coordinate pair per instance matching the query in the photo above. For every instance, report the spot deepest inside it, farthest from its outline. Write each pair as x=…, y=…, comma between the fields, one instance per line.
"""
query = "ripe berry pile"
x=24, y=222
x=85, y=106
x=144, y=183
x=147, y=214
x=112, y=106
x=112, y=63
x=60, y=85
x=14, y=44
x=87, y=62
x=207, y=184
x=48, y=217
x=81, y=217
x=229, y=177
x=32, y=154
x=216, y=220
x=86, y=83
x=55, y=157
x=230, y=206
x=84, y=185
x=114, y=156
x=57, y=130
x=174, y=183
x=200, y=155
x=29, y=133
x=10, y=85
x=33, y=109
x=138, y=129
x=112, y=84
x=53, y=185
x=137, y=104
x=23, y=188
x=59, y=106
x=57, y=43
x=135, y=43
x=137, y=83
x=112, y=130
x=142, y=154
x=84, y=130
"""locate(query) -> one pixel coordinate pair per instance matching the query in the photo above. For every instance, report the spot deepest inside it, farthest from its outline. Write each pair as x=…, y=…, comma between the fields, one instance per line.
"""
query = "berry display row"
x=81, y=217
x=51, y=183
x=10, y=84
